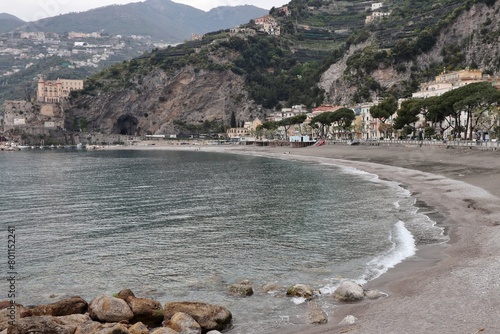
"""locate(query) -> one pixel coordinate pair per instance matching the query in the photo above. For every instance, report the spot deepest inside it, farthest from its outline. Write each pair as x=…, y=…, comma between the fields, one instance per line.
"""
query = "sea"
x=184, y=225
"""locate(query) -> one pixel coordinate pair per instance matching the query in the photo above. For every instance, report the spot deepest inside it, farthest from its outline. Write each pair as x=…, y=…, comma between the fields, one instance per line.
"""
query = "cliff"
x=190, y=100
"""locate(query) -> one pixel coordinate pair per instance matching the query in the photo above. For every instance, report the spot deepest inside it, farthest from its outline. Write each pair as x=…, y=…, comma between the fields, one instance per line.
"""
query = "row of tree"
x=340, y=119
x=478, y=103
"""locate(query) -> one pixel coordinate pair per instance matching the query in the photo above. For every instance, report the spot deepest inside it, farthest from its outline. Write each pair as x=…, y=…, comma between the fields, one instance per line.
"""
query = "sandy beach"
x=450, y=288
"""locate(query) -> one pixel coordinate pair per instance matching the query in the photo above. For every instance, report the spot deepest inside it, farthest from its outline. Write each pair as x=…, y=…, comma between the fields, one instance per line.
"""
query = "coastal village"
x=46, y=115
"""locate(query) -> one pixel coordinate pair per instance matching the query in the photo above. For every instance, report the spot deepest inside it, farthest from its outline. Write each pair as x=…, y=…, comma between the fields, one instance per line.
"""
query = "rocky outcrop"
x=159, y=101
x=48, y=324
x=210, y=317
x=348, y=292
x=300, y=290
x=110, y=309
x=111, y=315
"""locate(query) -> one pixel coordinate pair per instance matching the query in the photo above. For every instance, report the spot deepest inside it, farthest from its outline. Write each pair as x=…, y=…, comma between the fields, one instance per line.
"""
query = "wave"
x=403, y=247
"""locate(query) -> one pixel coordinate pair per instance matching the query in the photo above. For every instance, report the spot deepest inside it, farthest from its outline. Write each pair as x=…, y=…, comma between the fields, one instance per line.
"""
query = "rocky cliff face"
x=468, y=34
x=161, y=103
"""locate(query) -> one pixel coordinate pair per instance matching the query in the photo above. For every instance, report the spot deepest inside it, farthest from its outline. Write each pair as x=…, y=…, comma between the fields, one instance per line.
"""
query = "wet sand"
x=450, y=288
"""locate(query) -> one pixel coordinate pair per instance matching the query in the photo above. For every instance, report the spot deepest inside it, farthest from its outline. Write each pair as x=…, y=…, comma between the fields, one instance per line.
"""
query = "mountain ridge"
x=161, y=19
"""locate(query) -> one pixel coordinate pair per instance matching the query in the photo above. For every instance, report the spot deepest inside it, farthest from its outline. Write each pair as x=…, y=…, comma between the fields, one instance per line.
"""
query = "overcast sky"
x=32, y=10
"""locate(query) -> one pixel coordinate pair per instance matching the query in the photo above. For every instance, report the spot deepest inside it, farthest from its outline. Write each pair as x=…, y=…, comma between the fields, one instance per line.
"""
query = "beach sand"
x=448, y=288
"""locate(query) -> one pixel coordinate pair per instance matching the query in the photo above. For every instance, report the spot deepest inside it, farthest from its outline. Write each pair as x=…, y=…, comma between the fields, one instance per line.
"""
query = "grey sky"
x=32, y=10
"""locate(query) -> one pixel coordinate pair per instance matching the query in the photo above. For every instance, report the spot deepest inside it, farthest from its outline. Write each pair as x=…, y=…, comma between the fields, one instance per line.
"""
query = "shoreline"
x=446, y=288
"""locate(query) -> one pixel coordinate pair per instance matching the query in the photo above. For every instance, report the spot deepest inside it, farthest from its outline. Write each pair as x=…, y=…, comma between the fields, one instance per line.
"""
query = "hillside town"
x=21, y=50
x=46, y=114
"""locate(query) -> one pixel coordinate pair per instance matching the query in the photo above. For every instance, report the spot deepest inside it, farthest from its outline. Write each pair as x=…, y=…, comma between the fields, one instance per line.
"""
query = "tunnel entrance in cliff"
x=126, y=125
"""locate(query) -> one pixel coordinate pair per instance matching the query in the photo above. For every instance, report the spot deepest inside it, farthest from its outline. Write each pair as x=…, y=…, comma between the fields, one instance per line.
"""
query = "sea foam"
x=403, y=247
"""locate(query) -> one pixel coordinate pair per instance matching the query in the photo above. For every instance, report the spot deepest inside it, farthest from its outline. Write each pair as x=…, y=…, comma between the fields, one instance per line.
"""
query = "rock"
x=48, y=324
x=348, y=292
x=73, y=305
x=164, y=330
x=242, y=289
x=374, y=294
x=316, y=314
x=214, y=332
x=110, y=309
x=139, y=328
x=184, y=323
x=300, y=290
x=349, y=320
x=147, y=311
x=209, y=316
x=124, y=294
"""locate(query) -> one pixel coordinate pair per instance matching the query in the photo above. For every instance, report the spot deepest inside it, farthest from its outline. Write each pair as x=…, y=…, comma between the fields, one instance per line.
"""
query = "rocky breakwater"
x=123, y=313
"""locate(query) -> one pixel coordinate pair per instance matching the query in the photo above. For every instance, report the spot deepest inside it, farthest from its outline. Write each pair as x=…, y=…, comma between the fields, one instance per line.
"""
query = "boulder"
x=110, y=309
x=184, y=323
x=300, y=290
x=73, y=305
x=210, y=317
x=139, y=328
x=349, y=320
x=147, y=311
x=348, y=292
x=124, y=294
x=316, y=314
x=241, y=289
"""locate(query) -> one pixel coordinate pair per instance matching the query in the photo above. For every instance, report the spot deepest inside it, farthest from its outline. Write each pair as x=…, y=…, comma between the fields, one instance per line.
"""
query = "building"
x=447, y=81
x=53, y=91
x=247, y=130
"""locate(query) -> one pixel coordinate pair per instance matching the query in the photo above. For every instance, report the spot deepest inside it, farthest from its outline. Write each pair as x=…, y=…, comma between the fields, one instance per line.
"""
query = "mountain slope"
x=9, y=22
x=273, y=72
x=160, y=19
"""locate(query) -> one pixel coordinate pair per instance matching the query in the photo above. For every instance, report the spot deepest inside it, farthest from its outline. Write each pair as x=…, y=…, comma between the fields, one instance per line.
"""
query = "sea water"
x=182, y=226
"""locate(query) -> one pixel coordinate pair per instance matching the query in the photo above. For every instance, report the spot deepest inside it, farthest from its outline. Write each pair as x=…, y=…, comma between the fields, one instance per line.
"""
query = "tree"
x=384, y=110
x=475, y=100
x=287, y=123
x=343, y=117
x=324, y=119
x=267, y=129
x=407, y=115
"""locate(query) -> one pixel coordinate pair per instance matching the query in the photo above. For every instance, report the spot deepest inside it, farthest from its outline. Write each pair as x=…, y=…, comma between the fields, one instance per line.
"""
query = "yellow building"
x=54, y=91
